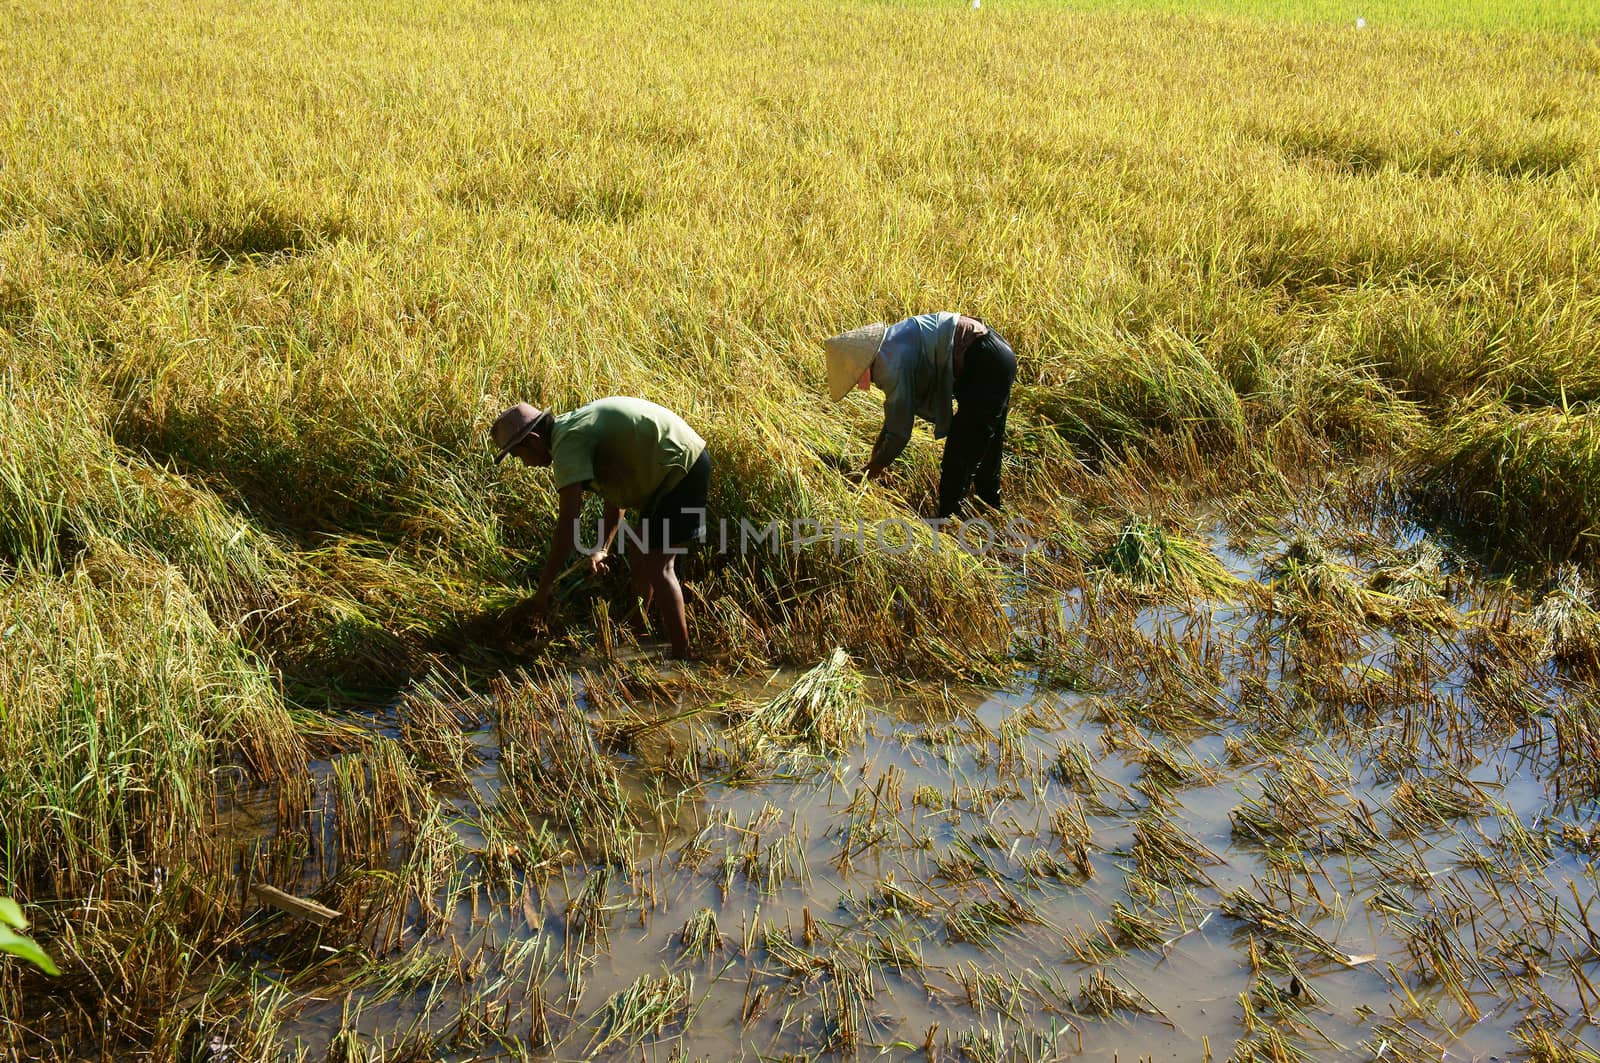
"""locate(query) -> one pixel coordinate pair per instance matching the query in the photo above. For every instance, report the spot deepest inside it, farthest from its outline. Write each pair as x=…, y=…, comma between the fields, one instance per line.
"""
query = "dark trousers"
x=976, y=442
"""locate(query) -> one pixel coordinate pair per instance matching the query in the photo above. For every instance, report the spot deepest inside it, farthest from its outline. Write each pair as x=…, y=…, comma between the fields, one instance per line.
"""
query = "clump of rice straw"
x=1565, y=621
x=1153, y=560
x=821, y=711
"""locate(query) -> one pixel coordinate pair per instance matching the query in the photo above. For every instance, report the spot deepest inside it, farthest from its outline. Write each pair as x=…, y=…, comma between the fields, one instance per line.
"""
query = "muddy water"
x=866, y=864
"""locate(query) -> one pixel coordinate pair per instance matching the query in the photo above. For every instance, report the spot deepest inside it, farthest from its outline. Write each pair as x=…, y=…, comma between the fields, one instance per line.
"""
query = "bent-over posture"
x=636, y=456
x=954, y=372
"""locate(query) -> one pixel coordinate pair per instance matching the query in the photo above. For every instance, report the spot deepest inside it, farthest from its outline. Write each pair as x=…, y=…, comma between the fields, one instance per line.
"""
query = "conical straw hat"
x=848, y=354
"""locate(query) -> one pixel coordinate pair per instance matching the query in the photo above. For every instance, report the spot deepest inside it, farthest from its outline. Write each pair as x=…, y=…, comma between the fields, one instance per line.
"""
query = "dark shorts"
x=680, y=517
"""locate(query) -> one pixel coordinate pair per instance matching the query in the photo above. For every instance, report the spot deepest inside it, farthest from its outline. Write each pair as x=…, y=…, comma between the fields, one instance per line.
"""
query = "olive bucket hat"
x=513, y=426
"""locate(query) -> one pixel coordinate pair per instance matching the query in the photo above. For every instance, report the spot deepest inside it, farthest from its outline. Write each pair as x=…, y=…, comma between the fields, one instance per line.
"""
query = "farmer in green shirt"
x=636, y=456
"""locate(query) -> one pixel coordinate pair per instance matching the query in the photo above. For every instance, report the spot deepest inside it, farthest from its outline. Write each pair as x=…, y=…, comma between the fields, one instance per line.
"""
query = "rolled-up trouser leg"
x=977, y=432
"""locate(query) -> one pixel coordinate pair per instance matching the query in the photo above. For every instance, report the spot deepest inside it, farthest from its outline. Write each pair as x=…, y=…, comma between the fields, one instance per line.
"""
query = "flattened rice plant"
x=552, y=761
x=1321, y=593
x=1523, y=484
x=1155, y=561
x=1566, y=623
x=645, y=1008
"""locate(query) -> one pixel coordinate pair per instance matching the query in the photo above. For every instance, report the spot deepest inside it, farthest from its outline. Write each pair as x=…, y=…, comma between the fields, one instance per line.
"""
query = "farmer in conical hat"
x=634, y=455
x=954, y=372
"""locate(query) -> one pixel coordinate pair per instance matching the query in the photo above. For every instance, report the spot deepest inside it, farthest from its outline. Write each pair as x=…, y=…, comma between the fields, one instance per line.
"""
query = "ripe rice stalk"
x=1272, y=921
x=1506, y=697
x=1315, y=398
x=1544, y=1044
x=1415, y=581
x=872, y=818
x=770, y=867
x=1169, y=856
x=377, y=800
x=434, y=715
x=1576, y=777
x=1010, y=742
x=1282, y=1010
x=1296, y=799
x=1040, y=864
x=1582, y=840
x=1001, y=992
x=1415, y=575
x=846, y=997
x=413, y=970
x=1322, y=593
x=986, y=922
x=1527, y=849
x=1159, y=391
x=1437, y=948
x=518, y=845
x=794, y=963
x=1405, y=1038
x=429, y=885
x=1267, y=1044
x=1075, y=836
x=589, y=915
x=124, y=705
x=1523, y=483
x=1168, y=767
x=67, y=488
x=889, y=898
x=1128, y=929
x=639, y=709
x=1049, y=638
x=1073, y=766
x=899, y=948
x=1091, y=945
x=1433, y=800
x=963, y=863
x=1010, y=1043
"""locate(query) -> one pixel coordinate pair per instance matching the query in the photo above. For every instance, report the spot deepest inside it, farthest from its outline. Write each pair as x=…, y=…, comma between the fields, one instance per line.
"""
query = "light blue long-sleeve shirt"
x=915, y=368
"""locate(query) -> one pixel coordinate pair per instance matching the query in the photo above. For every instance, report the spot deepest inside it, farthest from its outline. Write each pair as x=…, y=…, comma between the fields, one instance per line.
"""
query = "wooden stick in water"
x=300, y=908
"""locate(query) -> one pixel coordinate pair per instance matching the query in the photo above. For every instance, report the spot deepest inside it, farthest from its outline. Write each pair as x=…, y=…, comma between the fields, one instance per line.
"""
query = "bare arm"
x=610, y=521
x=570, y=505
x=896, y=433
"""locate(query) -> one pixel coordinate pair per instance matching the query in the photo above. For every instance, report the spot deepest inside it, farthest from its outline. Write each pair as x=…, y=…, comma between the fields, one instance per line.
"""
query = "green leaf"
x=18, y=945
x=11, y=914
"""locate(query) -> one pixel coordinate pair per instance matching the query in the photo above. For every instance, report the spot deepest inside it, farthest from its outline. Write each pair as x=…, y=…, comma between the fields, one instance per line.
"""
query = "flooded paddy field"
x=1341, y=807
x=1238, y=766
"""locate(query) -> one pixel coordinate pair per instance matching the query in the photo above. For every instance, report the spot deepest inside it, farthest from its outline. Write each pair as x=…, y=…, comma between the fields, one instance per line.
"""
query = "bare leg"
x=669, y=600
x=639, y=575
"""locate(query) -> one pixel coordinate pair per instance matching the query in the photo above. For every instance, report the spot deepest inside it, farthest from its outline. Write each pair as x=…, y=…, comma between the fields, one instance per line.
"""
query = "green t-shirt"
x=628, y=451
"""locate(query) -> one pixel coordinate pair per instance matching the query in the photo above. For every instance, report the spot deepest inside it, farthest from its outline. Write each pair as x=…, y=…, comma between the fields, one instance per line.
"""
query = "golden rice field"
x=1283, y=747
